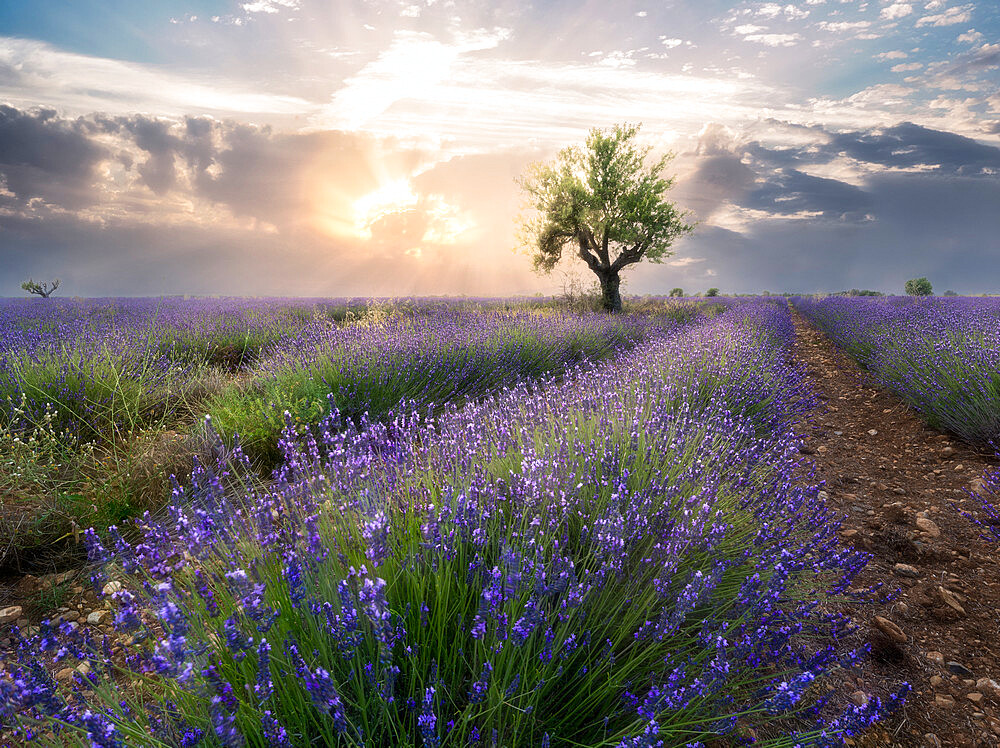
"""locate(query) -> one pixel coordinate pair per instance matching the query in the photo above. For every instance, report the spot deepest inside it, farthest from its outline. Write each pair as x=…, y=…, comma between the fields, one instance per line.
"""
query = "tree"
x=712, y=292
x=676, y=293
x=918, y=287
x=950, y=293
x=604, y=203
x=40, y=289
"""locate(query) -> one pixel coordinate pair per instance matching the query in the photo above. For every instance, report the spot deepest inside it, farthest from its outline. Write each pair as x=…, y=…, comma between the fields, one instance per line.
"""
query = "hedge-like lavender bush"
x=620, y=557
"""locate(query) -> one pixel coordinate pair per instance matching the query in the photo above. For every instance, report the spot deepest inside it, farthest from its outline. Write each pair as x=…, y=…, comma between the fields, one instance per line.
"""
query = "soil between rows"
x=885, y=470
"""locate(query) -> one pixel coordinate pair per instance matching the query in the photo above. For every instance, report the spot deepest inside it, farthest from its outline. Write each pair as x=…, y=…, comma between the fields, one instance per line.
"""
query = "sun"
x=391, y=197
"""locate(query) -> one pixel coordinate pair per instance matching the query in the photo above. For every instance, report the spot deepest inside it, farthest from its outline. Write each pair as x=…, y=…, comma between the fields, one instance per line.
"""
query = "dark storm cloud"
x=909, y=145
x=43, y=156
x=789, y=191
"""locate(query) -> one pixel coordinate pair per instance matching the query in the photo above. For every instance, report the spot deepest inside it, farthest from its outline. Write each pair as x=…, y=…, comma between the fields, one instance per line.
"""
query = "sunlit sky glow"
x=370, y=148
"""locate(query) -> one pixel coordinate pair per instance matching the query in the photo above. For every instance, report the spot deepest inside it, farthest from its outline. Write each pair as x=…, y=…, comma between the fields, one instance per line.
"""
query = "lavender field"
x=448, y=523
x=940, y=355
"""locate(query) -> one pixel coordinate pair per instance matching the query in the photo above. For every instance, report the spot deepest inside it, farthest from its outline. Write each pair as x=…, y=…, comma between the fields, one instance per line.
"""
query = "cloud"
x=907, y=67
x=48, y=158
x=892, y=55
x=774, y=40
x=33, y=72
x=959, y=14
x=971, y=37
x=270, y=6
x=896, y=11
x=842, y=26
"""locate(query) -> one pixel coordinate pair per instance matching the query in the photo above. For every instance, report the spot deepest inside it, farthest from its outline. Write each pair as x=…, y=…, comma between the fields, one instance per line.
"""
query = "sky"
x=371, y=147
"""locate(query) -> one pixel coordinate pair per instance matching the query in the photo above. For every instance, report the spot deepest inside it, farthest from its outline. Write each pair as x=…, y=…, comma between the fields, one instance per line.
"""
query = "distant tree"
x=676, y=292
x=605, y=203
x=918, y=287
x=712, y=292
x=40, y=289
x=949, y=292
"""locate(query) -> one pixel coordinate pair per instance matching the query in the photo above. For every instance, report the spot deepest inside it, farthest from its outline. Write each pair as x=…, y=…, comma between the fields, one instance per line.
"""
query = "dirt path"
x=896, y=480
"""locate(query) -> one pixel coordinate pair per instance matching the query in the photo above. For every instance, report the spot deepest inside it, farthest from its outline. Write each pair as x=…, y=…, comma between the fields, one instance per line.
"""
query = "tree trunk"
x=610, y=284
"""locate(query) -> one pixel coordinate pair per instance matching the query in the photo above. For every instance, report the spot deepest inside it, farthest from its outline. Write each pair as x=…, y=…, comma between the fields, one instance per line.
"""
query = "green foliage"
x=604, y=203
x=918, y=287
x=43, y=289
x=949, y=292
x=676, y=293
x=712, y=291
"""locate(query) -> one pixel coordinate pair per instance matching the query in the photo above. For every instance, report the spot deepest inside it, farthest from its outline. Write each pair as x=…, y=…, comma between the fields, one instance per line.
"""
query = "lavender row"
x=432, y=359
x=622, y=556
x=109, y=366
x=941, y=355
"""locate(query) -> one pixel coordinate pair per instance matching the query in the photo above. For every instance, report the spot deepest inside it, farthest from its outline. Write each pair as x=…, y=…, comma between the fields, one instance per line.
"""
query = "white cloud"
x=774, y=40
x=671, y=43
x=81, y=84
x=773, y=10
x=959, y=14
x=841, y=26
x=270, y=6
x=618, y=59
x=971, y=37
x=749, y=28
x=642, y=14
x=896, y=10
x=413, y=65
x=893, y=55
x=907, y=67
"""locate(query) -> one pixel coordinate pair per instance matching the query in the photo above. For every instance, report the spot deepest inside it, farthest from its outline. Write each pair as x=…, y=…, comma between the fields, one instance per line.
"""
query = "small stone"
x=905, y=570
x=97, y=617
x=936, y=680
x=959, y=669
x=948, y=451
x=978, y=485
x=10, y=614
x=860, y=698
x=899, y=492
x=821, y=449
x=848, y=533
x=929, y=526
x=936, y=657
x=65, y=674
x=112, y=587
x=989, y=685
x=83, y=668
x=959, y=468
x=949, y=599
x=944, y=700
x=872, y=432
x=890, y=629
x=975, y=697
x=823, y=496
